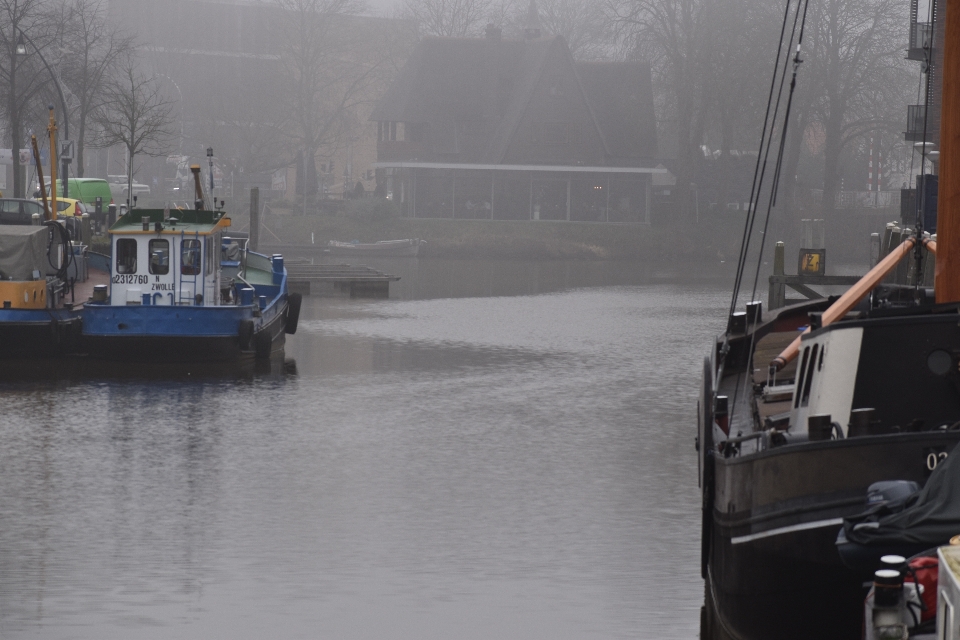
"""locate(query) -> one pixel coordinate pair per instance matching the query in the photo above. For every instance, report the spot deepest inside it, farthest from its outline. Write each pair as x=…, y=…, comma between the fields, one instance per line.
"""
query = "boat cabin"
x=167, y=257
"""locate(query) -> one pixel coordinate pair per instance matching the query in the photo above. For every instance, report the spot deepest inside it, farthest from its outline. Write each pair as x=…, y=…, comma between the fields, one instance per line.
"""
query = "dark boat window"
x=800, y=377
x=190, y=257
x=211, y=263
x=126, y=255
x=809, y=380
x=820, y=361
x=160, y=257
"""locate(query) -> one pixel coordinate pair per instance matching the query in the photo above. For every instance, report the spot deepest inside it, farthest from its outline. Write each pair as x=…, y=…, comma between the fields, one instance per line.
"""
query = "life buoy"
x=294, y=300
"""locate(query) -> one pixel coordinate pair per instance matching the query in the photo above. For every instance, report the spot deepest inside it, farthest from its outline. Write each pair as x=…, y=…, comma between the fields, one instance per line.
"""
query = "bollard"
x=35, y=219
x=777, y=293
x=85, y=231
x=893, y=241
x=874, y=249
x=111, y=215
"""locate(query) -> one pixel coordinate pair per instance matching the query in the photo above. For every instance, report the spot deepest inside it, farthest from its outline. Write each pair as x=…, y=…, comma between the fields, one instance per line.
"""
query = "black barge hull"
x=774, y=571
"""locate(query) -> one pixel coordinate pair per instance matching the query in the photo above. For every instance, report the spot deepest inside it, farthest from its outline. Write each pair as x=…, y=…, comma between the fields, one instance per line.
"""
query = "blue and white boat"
x=181, y=290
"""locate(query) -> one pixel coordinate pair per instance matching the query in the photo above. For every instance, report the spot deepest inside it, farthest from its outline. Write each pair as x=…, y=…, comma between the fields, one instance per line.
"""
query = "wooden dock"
x=345, y=279
x=779, y=282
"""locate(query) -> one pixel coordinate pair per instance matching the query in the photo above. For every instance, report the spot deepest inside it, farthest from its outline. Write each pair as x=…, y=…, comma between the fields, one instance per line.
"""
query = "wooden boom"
x=854, y=294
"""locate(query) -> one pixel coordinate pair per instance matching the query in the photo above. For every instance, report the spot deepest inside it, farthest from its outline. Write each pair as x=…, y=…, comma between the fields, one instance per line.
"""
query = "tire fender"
x=246, y=333
x=294, y=300
x=264, y=344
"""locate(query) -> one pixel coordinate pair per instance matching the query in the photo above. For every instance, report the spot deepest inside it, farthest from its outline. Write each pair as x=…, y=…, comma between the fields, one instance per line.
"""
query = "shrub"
x=371, y=209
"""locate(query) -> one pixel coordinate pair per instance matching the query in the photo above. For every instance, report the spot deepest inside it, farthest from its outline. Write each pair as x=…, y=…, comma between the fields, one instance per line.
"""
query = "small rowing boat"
x=386, y=248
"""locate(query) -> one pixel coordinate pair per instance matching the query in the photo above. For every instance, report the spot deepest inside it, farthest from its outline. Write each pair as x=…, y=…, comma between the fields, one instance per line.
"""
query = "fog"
x=225, y=76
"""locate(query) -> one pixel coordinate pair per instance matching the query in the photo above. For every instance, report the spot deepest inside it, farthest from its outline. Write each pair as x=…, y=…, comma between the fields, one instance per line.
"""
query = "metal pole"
x=63, y=105
x=254, y=242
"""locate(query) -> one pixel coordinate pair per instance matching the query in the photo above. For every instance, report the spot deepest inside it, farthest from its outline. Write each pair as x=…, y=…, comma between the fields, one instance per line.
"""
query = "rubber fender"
x=246, y=333
x=264, y=344
x=294, y=300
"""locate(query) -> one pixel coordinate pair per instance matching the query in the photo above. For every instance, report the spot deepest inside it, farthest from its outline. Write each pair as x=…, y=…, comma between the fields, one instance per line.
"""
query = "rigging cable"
x=921, y=197
x=774, y=186
x=758, y=171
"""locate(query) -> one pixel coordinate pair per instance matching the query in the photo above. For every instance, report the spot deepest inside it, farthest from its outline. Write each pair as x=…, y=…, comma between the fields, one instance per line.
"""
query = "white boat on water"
x=393, y=248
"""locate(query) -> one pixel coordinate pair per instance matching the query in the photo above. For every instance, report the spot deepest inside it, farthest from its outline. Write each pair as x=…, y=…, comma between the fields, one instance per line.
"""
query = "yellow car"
x=70, y=207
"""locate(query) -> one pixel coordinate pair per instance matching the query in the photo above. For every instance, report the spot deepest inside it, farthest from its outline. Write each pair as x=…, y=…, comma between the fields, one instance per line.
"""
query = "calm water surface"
x=500, y=451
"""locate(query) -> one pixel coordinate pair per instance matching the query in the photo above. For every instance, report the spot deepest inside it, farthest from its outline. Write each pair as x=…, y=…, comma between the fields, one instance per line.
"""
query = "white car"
x=118, y=187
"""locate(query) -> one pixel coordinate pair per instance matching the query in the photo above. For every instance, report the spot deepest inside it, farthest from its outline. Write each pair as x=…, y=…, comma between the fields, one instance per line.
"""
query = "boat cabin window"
x=160, y=257
x=190, y=258
x=800, y=377
x=211, y=264
x=808, y=382
x=126, y=255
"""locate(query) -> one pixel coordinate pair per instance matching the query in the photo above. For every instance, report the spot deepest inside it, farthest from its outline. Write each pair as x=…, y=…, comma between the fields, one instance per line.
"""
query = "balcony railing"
x=915, y=120
x=921, y=35
x=921, y=39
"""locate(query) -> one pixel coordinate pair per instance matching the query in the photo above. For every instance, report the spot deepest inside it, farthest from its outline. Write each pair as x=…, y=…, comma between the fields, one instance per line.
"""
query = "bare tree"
x=672, y=35
x=857, y=58
x=331, y=68
x=455, y=18
x=136, y=114
x=89, y=56
x=583, y=24
x=24, y=25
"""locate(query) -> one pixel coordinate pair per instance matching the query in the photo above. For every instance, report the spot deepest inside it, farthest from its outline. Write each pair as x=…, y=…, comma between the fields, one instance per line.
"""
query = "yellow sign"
x=812, y=262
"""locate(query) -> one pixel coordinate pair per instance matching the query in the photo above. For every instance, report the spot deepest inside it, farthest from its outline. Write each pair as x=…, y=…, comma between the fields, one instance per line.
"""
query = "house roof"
x=621, y=96
x=490, y=83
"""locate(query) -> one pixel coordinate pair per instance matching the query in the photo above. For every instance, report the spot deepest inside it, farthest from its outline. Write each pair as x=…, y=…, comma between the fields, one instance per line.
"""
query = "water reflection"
x=498, y=466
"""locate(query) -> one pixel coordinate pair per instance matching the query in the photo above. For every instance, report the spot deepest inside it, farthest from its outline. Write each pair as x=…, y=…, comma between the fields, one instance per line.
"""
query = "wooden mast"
x=947, y=283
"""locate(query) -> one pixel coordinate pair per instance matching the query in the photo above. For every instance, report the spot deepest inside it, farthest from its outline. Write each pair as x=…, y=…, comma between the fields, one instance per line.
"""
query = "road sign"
x=66, y=150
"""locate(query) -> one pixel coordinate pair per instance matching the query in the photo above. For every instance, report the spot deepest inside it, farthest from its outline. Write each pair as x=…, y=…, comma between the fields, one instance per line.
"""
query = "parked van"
x=86, y=190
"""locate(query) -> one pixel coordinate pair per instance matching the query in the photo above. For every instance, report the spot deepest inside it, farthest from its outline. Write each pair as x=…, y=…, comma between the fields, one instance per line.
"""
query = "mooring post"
x=776, y=296
x=254, y=242
x=85, y=233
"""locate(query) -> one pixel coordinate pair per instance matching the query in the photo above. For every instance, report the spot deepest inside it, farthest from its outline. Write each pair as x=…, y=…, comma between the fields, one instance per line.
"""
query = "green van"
x=85, y=190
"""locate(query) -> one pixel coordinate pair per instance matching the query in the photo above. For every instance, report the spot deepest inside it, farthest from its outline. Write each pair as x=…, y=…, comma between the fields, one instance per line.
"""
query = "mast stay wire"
x=760, y=166
x=921, y=197
x=762, y=161
x=769, y=123
x=773, y=193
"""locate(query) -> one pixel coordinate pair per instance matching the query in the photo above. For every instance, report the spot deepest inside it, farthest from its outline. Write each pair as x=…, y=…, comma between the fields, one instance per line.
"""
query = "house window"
x=159, y=257
x=808, y=380
x=126, y=255
x=190, y=258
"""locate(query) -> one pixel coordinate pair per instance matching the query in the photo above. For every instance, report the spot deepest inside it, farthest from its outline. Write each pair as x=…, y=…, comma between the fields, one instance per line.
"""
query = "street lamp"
x=22, y=51
x=180, y=93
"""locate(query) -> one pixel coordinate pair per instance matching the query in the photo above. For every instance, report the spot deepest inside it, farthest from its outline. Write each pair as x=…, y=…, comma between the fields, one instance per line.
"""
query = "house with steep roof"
x=516, y=129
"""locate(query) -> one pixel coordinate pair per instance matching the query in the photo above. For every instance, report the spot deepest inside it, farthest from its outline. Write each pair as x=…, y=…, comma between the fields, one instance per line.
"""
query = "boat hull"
x=773, y=568
x=183, y=333
x=38, y=333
